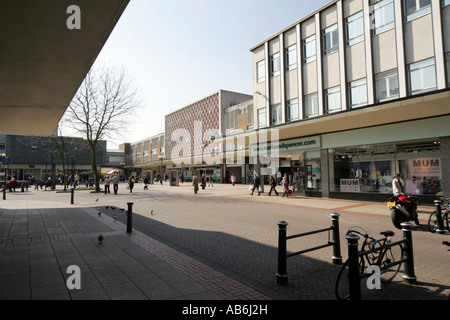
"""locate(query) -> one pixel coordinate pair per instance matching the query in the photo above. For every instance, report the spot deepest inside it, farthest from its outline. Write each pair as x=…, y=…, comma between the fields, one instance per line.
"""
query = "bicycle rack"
x=281, y=275
x=354, y=254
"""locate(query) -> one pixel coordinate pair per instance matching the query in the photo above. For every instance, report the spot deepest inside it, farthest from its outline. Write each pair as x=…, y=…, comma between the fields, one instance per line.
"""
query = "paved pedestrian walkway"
x=39, y=240
x=42, y=234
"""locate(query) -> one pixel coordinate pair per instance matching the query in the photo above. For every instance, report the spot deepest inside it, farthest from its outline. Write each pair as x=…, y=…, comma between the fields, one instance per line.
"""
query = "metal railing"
x=354, y=276
x=281, y=275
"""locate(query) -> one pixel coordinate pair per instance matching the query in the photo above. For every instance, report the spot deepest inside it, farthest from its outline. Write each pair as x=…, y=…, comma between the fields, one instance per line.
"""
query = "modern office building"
x=42, y=157
x=193, y=132
x=359, y=91
x=147, y=156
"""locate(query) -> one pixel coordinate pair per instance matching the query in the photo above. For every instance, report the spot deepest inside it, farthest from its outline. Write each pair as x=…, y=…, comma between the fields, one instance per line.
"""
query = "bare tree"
x=102, y=108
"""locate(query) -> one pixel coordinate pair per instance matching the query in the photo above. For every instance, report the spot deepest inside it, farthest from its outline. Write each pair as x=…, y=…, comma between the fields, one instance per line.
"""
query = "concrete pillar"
x=445, y=165
x=324, y=173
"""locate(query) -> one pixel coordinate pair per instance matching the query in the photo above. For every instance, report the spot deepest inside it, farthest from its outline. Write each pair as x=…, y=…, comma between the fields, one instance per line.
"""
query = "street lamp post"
x=161, y=158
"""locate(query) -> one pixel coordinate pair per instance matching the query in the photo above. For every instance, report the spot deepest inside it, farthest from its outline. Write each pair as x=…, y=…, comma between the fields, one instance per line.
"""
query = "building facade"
x=40, y=158
x=147, y=156
x=194, y=135
x=367, y=84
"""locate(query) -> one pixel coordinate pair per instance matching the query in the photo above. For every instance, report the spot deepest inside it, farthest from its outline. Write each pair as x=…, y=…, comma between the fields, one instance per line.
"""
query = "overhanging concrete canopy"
x=43, y=62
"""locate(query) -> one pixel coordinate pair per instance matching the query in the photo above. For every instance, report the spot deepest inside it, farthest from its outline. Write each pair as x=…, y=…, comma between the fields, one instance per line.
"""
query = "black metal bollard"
x=440, y=223
x=130, y=217
x=408, y=274
x=353, y=267
x=72, y=192
x=282, y=277
x=337, y=258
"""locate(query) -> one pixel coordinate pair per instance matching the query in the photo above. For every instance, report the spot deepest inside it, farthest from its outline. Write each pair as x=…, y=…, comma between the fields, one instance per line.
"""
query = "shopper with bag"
x=285, y=187
x=256, y=185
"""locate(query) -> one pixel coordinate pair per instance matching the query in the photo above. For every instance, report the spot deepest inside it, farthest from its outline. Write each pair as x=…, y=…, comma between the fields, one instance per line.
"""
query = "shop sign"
x=286, y=146
x=424, y=167
x=350, y=185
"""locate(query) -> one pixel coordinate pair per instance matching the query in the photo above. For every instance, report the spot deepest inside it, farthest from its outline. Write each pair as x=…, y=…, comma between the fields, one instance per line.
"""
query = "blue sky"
x=179, y=51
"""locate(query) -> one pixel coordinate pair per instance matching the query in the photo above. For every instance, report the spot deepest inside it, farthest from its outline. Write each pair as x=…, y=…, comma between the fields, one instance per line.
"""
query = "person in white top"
x=397, y=187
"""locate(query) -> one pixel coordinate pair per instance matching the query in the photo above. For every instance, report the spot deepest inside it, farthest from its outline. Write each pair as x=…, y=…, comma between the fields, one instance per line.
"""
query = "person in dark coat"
x=256, y=184
x=195, y=183
x=203, y=181
x=273, y=184
x=131, y=184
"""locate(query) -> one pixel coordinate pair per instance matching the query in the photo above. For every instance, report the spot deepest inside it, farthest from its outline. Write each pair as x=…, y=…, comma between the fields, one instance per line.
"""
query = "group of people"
x=195, y=182
x=115, y=181
x=273, y=185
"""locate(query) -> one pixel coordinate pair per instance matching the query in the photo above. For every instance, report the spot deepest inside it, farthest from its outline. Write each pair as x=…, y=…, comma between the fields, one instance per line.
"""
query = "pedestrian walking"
x=195, y=183
x=203, y=181
x=115, y=180
x=131, y=184
x=285, y=187
x=273, y=184
x=233, y=179
x=256, y=184
x=107, y=183
x=146, y=183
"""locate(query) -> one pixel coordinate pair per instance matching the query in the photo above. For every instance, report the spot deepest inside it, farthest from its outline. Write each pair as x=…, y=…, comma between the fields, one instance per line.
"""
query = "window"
x=261, y=71
x=358, y=93
x=416, y=8
x=292, y=109
x=422, y=76
x=445, y=3
x=262, y=118
x=387, y=86
x=275, y=65
x=276, y=114
x=291, y=57
x=333, y=99
x=250, y=115
x=355, y=28
x=311, y=105
x=232, y=117
x=330, y=40
x=309, y=46
x=383, y=16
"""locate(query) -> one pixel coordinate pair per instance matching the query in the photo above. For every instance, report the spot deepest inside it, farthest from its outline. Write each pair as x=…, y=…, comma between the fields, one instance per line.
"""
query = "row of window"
x=382, y=19
x=421, y=79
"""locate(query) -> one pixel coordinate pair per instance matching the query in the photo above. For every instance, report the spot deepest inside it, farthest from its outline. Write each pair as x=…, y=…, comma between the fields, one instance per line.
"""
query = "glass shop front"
x=371, y=168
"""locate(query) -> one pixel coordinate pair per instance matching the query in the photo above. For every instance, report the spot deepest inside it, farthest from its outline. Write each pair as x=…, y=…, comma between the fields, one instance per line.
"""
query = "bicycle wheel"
x=432, y=222
x=342, y=289
x=389, y=256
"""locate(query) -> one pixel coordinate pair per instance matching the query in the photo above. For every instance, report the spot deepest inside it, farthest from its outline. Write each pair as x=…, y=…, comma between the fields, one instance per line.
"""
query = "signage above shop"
x=287, y=145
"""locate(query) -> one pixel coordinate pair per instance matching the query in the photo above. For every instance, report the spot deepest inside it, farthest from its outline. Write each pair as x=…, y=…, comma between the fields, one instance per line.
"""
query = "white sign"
x=287, y=145
x=424, y=167
x=350, y=185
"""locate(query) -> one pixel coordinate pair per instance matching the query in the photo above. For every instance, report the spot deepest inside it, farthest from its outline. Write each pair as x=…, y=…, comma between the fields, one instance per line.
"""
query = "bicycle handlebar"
x=365, y=235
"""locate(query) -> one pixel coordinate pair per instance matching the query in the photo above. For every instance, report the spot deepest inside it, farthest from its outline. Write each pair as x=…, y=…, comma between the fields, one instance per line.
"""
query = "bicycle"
x=373, y=252
x=432, y=221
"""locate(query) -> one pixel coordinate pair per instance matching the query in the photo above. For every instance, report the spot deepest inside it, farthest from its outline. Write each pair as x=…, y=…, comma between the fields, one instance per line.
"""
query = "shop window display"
x=371, y=168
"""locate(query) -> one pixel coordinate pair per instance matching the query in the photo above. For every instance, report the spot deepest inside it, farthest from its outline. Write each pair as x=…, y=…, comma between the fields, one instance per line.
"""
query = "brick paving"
x=218, y=245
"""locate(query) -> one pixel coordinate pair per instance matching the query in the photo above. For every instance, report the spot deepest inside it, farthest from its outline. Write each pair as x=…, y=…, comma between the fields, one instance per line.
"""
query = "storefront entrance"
x=371, y=168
